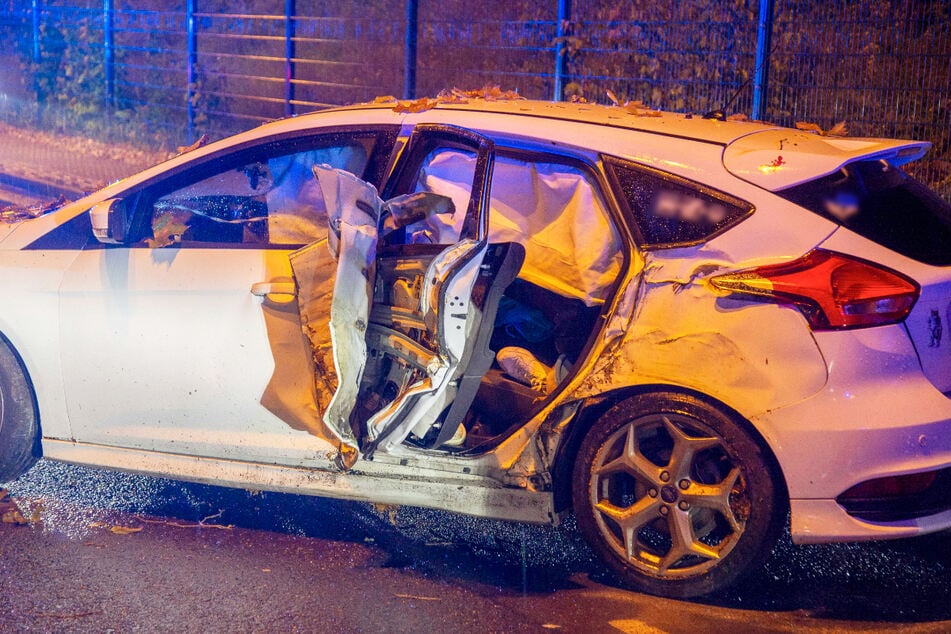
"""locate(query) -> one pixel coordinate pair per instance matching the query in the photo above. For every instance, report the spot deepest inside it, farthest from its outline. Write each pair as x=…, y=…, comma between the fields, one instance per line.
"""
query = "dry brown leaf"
x=638, y=109
x=13, y=516
x=808, y=127
x=839, y=129
x=183, y=149
x=613, y=97
x=385, y=99
x=419, y=105
x=125, y=530
x=737, y=116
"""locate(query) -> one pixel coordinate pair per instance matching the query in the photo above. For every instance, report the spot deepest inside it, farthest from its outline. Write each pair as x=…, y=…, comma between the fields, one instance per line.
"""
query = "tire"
x=676, y=497
x=19, y=428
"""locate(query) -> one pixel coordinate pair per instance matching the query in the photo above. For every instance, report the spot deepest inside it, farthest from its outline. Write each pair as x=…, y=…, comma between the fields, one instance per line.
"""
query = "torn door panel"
x=425, y=381
x=668, y=339
x=353, y=212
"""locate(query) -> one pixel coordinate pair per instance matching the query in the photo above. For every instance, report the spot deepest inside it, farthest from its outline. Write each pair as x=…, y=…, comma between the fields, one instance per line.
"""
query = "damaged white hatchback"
x=682, y=330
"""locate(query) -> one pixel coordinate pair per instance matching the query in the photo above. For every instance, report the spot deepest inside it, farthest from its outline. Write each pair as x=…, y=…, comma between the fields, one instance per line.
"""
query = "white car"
x=681, y=329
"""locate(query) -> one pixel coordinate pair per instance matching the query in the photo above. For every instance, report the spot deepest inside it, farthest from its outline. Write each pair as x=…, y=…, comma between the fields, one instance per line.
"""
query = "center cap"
x=668, y=494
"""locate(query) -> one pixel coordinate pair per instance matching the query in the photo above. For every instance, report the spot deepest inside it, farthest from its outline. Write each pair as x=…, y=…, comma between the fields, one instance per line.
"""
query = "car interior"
x=539, y=295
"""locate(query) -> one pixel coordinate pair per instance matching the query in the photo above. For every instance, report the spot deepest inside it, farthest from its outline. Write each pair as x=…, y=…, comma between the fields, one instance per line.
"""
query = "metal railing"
x=181, y=68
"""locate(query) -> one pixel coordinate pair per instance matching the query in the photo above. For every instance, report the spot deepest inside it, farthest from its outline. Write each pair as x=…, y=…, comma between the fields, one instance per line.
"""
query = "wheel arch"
x=18, y=359
x=595, y=407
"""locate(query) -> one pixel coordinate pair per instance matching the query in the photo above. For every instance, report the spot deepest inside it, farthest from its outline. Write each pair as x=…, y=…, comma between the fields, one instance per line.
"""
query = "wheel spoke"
x=631, y=461
x=683, y=541
x=716, y=497
x=631, y=518
x=685, y=448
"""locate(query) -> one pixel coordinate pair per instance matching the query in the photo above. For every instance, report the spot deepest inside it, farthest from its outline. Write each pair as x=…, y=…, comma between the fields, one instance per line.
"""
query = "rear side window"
x=880, y=202
x=670, y=211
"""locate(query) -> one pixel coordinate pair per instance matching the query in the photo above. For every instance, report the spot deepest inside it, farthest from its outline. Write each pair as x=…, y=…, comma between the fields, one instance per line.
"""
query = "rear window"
x=670, y=211
x=880, y=202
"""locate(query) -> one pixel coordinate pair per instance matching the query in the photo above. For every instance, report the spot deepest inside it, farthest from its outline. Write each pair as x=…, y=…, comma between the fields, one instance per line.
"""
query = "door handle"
x=265, y=289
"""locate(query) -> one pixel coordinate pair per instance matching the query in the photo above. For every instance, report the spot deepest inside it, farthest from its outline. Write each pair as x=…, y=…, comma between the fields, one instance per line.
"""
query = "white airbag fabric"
x=571, y=246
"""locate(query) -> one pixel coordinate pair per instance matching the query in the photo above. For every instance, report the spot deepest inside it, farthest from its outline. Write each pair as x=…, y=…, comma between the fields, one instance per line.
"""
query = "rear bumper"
x=877, y=417
x=822, y=521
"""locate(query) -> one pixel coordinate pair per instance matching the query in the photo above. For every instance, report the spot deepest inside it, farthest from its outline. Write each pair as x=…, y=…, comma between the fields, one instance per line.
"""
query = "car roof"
x=688, y=126
x=767, y=155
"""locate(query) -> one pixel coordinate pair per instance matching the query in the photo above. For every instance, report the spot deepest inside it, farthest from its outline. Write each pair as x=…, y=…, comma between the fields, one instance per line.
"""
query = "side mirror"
x=110, y=221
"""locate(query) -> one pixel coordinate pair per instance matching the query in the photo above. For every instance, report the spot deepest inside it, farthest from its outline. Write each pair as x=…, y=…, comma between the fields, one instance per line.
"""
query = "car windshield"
x=880, y=202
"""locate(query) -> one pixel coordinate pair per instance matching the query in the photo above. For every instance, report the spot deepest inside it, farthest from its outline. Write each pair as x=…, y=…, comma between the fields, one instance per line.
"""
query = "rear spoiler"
x=780, y=158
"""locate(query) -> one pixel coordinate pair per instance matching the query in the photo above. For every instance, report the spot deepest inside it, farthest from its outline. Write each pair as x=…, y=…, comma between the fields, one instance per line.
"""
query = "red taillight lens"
x=832, y=290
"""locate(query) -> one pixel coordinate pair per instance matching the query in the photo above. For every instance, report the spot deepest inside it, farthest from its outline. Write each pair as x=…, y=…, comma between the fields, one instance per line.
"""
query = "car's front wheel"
x=675, y=496
x=18, y=419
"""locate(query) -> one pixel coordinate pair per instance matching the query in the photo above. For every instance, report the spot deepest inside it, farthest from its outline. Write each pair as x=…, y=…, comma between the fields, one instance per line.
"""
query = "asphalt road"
x=124, y=553
x=281, y=563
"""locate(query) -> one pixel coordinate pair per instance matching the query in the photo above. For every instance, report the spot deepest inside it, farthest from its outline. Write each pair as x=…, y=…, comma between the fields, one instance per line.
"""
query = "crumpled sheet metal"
x=679, y=331
x=353, y=211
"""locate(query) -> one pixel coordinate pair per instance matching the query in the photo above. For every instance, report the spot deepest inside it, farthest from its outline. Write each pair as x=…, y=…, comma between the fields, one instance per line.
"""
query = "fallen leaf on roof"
x=638, y=109
x=419, y=105
x=184, y=149
x=737, y=116
x=125, y=530
x=839, y=129
x=385, y=99
x=613, y=97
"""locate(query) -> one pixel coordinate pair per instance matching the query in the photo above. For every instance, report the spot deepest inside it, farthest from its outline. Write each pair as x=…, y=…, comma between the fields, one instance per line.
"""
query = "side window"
x=670, y=211
x=555, y=209
x=267, y=196
x=449, y=172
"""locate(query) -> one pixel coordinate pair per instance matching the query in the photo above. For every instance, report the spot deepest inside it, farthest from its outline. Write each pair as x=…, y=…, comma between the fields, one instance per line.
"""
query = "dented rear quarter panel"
x=672, y=328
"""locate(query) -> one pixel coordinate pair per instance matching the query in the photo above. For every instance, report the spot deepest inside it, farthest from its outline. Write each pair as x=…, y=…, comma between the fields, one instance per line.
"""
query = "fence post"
x=37, y=9
x=764, y=33
x=561, y=50
x=109, y=51
x=191, y=44
x=409, y=59
x=290, y=11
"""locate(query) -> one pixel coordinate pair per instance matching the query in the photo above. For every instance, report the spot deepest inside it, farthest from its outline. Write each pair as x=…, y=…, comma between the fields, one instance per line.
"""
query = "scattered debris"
x=18, y=213
x=9, y=511
x=839, y=129
x=116, y=529
x=202, y=523
x=638, y=109
x=389, y=510
x=417, y=597
x=454, y=96
x=185, y=149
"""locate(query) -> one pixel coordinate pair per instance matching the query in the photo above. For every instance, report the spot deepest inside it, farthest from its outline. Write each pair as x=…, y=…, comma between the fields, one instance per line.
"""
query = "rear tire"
x=676, y=497
x=19, y=428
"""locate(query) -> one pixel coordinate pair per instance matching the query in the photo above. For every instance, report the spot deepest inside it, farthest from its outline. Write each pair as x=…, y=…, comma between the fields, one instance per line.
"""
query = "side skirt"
x=367, y=482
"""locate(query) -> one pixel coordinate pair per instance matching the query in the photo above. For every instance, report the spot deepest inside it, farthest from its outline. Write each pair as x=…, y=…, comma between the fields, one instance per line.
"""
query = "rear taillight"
x=833, y=291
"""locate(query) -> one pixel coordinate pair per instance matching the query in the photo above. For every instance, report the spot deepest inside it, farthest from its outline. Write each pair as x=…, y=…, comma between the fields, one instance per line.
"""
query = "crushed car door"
x=414, y=320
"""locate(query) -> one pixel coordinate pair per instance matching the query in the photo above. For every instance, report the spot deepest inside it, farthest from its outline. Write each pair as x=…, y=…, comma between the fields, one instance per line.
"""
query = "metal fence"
x=157, y=72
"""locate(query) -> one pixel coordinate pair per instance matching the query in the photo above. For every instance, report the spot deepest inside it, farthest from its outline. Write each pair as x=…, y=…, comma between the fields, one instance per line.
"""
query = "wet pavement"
x=190, y=557
x=117, y=552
